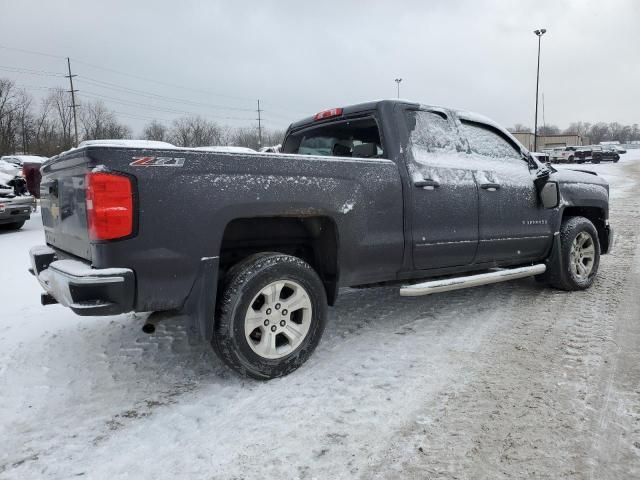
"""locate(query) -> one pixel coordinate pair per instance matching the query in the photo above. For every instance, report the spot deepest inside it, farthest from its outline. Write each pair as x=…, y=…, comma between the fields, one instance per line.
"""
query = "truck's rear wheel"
x=580, y=254
x=271, y=315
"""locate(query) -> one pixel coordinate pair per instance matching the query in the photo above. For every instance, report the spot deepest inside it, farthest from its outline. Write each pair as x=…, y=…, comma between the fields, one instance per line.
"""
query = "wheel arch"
x=596, y=215
x=315, y=239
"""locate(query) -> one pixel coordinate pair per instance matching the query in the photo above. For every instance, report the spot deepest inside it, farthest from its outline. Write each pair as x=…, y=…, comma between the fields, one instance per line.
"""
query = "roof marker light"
x=332, y=112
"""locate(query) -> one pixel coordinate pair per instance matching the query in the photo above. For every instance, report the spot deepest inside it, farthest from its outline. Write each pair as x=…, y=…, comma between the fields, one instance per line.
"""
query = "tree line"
x=595, y=132
x=46, y=127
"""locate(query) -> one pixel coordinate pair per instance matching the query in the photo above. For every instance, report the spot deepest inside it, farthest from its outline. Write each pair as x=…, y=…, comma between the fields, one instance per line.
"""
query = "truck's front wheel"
x=270, y=316
x=580, y=254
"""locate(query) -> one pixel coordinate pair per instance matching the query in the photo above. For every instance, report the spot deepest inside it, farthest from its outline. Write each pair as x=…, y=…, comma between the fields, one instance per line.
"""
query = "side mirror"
x=549, y=195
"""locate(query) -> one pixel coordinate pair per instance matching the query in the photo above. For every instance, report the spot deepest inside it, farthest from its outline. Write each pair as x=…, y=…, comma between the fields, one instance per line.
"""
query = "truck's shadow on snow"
x=115, y=356
x=103, y=374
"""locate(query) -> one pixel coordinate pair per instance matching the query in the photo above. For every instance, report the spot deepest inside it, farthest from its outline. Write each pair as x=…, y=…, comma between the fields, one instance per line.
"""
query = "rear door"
x=513, y=225
x=444, y=197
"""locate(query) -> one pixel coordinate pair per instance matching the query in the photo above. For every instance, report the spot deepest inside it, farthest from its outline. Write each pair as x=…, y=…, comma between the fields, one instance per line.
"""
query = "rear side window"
x=486, y=142
x=431, y=132
x=351, y=138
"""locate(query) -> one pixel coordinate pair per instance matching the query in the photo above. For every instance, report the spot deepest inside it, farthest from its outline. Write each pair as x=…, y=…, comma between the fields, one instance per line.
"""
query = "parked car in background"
x=583, y=154
x=271, y=149
x=614, y=148
x=542, y=157
x=29, y=168
x=16, y=203
x=563, y=154
x=601, y=154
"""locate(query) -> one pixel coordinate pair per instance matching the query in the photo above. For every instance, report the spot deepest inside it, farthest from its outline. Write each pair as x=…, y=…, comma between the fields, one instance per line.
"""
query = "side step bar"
x=458, y=283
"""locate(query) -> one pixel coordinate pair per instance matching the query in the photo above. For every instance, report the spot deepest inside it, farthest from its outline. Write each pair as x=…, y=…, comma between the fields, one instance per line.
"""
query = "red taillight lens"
x=333, y=112
x=109, y=206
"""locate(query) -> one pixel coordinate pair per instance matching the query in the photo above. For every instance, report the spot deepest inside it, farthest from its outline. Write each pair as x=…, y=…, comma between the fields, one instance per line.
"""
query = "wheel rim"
x=278, y=319
x=583, y=253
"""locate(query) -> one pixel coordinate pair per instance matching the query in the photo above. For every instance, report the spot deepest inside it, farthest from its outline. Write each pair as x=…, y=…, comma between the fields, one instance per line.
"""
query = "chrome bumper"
x=85, y=290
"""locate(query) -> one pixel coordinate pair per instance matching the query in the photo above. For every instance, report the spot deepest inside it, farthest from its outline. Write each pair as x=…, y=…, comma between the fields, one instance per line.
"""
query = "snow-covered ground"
x=512, y=380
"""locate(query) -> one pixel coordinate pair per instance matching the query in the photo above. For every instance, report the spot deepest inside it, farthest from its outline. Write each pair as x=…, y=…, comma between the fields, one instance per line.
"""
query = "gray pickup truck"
x=251, y=247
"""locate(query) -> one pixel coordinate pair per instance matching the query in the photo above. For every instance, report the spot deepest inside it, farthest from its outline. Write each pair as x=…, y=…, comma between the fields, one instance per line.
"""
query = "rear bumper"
x=16, y=209
x=85, y=290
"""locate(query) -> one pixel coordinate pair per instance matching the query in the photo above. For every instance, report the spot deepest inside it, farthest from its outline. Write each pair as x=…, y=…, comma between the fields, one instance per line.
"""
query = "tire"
x=616, y=159
x=258, y=336
x=579, y=245
x=571, y=159
x=595, y=160
x=12, y=226
x=580, y=161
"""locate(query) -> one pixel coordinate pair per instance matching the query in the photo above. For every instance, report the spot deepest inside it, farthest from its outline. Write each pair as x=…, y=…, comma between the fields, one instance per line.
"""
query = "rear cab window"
x=357, y=138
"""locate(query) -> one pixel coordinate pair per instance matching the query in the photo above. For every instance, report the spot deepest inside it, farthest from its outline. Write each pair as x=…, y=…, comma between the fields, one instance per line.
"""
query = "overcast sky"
x=300, y=57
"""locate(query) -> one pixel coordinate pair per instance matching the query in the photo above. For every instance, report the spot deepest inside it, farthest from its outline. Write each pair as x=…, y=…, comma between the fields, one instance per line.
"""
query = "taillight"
x=109, y=206
x=333, y=112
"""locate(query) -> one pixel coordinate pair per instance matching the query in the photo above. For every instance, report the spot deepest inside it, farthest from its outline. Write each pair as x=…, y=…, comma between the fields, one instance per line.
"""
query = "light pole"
x=539, y=33
x=398, y=80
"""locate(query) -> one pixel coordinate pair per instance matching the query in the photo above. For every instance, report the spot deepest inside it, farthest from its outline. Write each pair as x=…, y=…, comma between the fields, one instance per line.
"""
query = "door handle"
x=426, y=183
x=492, y=187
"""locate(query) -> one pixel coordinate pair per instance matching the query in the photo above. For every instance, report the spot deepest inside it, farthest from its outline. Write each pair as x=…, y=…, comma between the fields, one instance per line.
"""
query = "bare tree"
x=156, y=131
x=8, y=120
x=60, y=101
x=195, y=131
x=519, y=127
x=548, y=130
x=98, y=122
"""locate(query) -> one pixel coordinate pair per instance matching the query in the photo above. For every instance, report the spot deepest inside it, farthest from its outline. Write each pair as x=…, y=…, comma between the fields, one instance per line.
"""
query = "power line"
x=127, y=74
x=139, y=77
x=30, y=71
x=159, y=82
x=116, y=87
x=32, y=52
x=155, y=107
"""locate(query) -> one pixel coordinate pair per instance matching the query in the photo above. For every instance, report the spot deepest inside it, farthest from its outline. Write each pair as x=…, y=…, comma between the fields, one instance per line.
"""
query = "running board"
x=458, y=283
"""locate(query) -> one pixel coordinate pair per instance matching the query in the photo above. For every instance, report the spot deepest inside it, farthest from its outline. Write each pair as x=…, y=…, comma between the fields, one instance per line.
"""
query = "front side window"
x=351, y=138
x=486, y=142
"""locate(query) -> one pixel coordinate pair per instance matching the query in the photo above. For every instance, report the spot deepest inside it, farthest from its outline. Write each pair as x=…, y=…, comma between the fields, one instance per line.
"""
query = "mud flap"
x=200, y=305
x=555, y=272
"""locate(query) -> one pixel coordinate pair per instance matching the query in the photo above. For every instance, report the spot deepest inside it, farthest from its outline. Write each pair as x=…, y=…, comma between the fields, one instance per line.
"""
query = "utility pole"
x=544, y=122
x=259, y=126
x=73, y=99
x=539, y=34
x=398, y=80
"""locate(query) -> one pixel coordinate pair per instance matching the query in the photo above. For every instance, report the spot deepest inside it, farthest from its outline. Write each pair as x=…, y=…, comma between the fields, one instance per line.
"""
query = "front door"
x=513, y=225
x=444, y=197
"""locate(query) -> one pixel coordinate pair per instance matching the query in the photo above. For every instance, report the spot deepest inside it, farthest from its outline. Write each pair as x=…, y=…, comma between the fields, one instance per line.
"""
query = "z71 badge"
x=157, y=162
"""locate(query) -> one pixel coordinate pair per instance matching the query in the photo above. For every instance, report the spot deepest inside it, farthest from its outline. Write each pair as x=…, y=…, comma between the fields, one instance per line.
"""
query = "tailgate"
x=64, y=212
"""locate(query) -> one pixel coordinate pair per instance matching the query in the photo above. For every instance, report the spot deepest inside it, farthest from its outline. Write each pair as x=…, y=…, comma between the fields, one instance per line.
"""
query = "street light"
x=398, y=80
x=539, y=33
